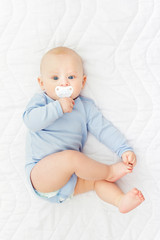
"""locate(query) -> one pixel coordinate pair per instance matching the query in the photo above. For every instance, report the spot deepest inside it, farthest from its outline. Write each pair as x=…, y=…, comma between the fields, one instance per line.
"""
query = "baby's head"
x=61, y=66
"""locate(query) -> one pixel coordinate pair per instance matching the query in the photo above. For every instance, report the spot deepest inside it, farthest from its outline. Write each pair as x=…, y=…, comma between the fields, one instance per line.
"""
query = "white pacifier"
x=64, y=91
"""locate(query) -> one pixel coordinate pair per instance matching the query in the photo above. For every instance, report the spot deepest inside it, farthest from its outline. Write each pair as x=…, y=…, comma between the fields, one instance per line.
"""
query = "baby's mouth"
x=64, y=91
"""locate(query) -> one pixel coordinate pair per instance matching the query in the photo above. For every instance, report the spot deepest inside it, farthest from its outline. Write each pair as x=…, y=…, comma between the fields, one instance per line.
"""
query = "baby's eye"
x=71, y=77
x=55, y=78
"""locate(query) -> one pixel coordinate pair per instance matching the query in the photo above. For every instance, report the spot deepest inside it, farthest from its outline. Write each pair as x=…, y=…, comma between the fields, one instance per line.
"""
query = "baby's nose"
x=64, y=82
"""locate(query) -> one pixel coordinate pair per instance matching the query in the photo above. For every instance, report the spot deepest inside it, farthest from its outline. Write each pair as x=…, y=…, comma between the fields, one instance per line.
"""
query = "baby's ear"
x=41, y=84
x=84, y=80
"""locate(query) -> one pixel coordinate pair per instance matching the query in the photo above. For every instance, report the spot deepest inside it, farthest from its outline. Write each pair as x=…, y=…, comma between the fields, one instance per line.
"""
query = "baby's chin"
x=74, y=96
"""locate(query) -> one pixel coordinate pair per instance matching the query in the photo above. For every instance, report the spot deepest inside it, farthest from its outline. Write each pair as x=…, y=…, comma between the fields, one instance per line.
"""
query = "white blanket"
x=119, y=41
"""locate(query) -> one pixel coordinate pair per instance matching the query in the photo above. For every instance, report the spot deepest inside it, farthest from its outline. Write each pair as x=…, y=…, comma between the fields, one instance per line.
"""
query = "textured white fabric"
x=119, y=42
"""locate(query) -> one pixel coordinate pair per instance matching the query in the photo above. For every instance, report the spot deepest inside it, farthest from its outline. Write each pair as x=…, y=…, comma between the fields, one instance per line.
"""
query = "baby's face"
x=62, y=70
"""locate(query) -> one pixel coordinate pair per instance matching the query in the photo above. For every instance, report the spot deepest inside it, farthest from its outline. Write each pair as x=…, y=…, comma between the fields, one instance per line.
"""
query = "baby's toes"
x=141, y=197
x=135, y=191
x=130, y=167
x=128, y=170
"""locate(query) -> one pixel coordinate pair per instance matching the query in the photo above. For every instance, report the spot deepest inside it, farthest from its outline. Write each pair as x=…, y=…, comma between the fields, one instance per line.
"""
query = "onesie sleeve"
x=104, y=130
x=39, y=114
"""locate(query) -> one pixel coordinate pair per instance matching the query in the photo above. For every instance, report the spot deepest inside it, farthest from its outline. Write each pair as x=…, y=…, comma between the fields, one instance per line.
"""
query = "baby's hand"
x=66, y=104
x=129, y=158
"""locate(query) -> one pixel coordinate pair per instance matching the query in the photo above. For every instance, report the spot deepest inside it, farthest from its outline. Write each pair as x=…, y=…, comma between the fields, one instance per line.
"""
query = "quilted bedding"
x=119, y=42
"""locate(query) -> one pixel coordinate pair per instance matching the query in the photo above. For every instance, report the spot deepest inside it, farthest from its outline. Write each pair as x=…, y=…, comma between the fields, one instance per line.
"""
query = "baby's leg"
x=54, y=171
x=111, y=193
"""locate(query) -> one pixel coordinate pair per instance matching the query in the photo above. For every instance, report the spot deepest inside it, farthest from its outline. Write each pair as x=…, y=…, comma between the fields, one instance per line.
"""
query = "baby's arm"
x=104, y=130
x=39, y=115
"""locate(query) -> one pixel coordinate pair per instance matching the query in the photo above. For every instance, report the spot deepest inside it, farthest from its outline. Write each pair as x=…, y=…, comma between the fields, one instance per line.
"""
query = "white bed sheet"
x=119, y=41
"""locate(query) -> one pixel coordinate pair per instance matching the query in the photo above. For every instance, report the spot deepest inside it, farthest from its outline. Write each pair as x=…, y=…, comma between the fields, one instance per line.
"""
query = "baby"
x=58, y=119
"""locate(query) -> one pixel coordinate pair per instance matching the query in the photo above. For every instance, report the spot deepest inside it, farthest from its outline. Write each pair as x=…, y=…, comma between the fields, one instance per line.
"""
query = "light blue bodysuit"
x=51, y=131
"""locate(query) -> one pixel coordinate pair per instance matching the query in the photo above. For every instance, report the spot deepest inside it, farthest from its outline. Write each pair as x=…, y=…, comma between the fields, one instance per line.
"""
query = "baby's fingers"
x=132, y=160
x=134, y=163
x=125, y=158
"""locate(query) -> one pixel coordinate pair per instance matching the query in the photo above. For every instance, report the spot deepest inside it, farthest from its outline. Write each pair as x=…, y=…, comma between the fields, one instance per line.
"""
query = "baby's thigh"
x=52, y=172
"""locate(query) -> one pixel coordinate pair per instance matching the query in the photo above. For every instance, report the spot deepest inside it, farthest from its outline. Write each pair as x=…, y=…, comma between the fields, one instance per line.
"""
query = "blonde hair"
x=58, y=51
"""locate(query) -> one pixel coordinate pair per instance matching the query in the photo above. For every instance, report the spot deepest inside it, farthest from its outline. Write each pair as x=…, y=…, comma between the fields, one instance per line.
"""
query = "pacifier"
x=64, y=91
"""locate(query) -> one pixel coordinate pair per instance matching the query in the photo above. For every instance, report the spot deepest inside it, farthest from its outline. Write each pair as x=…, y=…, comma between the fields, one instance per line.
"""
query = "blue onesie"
x=51, y=131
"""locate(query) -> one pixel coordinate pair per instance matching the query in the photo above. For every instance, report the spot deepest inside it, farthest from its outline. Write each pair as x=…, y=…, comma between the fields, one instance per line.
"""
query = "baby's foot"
x=130, y=200
x=118, y=170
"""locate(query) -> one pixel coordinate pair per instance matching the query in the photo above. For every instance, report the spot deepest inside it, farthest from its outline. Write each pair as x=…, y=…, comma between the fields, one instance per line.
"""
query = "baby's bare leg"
x=111, y=193
x=107, y=191
x=54, y=171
